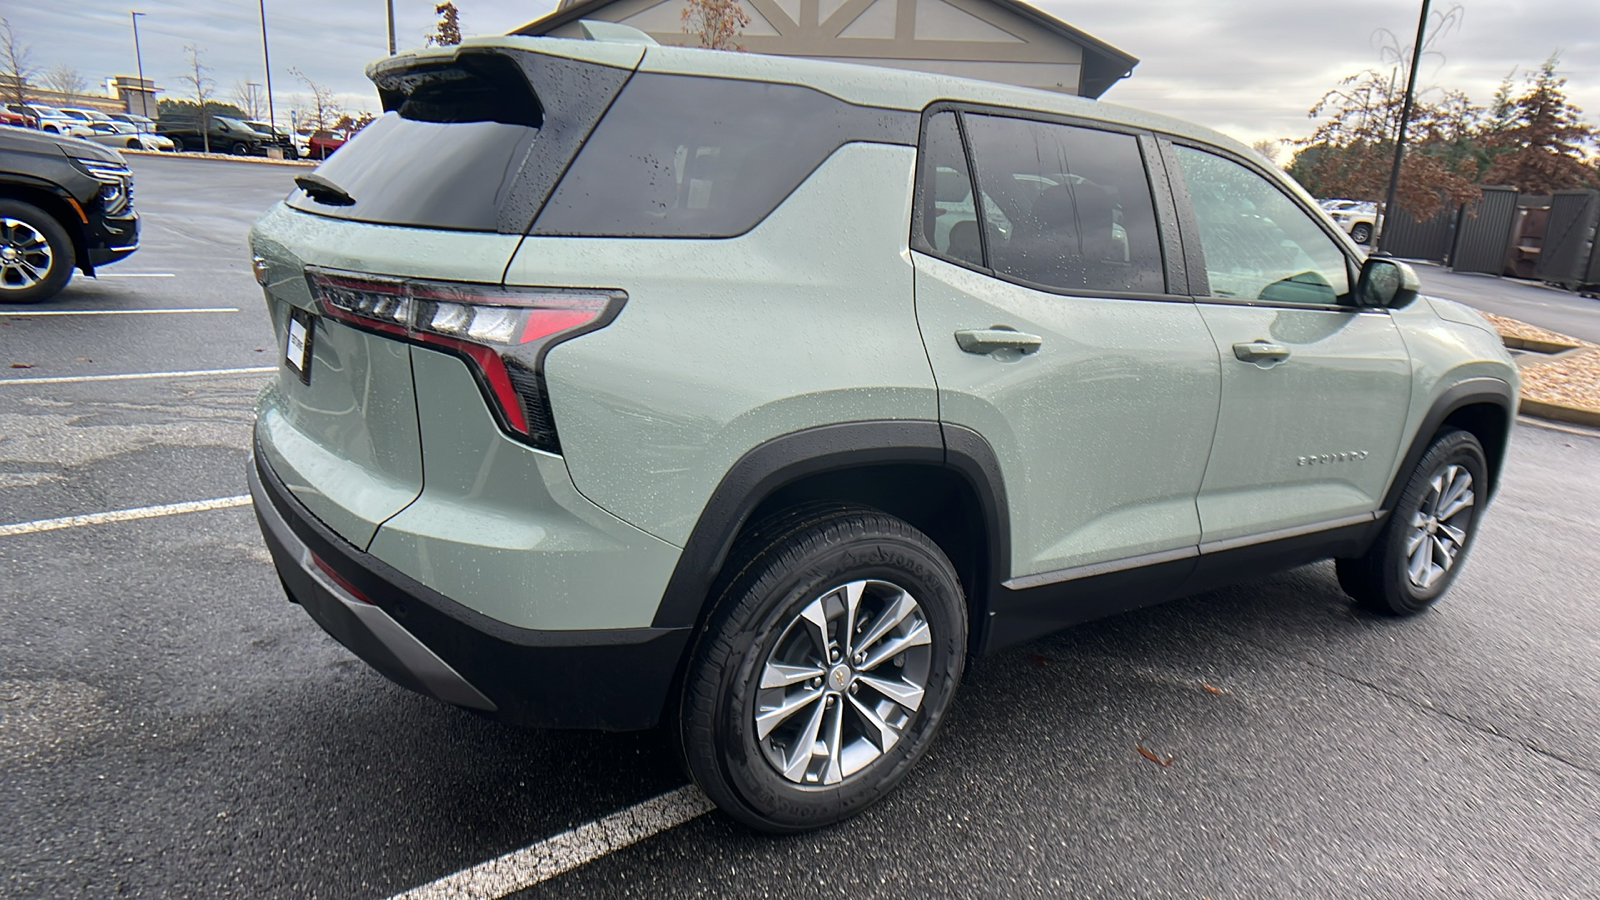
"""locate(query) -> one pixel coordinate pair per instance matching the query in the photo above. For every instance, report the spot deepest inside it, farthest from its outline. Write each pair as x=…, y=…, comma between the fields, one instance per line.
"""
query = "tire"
x=1362, y=233
x=36, y=254
x=239, y=150
x=793, y=571
x=1419, y=552
x=133, y=144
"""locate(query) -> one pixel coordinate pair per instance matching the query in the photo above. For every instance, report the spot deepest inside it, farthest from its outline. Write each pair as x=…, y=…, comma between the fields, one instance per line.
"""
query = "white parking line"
x=123, y=515
x=135, y=275
x=521, y=869
x=116, y=312
x=133, y=376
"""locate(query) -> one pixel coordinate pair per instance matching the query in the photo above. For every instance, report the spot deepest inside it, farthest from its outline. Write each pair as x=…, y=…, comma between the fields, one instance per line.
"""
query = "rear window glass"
x=690, y=156
x=426, y=174
x=447, y=157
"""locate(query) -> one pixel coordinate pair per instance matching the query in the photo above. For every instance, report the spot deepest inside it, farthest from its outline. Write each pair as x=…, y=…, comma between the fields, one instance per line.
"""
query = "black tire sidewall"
x=63, y=255
x=1453, y=448
x=1356, y=234
x=765, y=799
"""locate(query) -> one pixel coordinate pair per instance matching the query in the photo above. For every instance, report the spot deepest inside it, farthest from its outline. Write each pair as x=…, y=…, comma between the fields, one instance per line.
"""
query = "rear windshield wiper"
x=324, y=191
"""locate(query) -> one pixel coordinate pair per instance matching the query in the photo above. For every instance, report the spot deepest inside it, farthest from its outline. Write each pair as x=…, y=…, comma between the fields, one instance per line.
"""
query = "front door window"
x=1258, y=244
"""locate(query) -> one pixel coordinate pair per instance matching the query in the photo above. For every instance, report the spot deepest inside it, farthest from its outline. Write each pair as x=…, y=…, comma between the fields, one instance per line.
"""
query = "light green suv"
x=625, y=385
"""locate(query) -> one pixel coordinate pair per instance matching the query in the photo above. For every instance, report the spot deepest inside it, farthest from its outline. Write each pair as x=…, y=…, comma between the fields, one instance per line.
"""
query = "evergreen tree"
x=1538, y=141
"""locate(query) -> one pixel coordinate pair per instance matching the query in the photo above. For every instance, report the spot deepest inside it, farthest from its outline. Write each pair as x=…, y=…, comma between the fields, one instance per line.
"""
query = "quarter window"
x=689, y=156
x=1066, y=207
x=946, y=216
x=1259, y=244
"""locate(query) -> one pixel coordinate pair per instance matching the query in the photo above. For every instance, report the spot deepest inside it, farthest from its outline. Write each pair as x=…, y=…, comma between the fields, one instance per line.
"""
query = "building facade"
x=995, y=40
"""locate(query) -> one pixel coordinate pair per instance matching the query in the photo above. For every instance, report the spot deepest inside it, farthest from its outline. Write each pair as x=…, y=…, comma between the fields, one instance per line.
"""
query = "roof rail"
x=614, y=33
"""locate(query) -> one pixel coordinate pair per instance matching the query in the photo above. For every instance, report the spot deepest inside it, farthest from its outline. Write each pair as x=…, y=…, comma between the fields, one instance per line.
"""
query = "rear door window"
x=1072, y=206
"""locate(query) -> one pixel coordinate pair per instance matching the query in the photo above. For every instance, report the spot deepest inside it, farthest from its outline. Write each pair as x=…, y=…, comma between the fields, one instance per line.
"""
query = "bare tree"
x=717, y=24
x=1352, y=149
x=201, y=87
x=248, y=96
x=1268, y=149
x=323, y=110
x=447, y=33
x=18, y=67
x=64, y=79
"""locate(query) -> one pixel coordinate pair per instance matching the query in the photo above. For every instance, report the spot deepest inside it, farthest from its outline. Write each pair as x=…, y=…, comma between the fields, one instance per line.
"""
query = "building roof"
x=1103, y=64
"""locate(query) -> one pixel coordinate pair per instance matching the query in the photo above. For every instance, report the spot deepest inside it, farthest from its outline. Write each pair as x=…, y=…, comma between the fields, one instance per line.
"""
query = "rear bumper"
x=612, y=680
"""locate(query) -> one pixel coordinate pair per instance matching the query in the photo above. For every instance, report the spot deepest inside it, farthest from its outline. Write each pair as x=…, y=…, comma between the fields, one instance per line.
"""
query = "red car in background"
x=323, y=143
x=8, y=117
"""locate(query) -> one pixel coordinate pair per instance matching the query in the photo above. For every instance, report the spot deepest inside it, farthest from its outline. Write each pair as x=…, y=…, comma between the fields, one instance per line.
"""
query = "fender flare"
x=788, y=458
x=1468, y=392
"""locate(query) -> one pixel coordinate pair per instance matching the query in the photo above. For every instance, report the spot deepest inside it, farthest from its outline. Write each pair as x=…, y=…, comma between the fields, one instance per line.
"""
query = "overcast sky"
x=1251, y=68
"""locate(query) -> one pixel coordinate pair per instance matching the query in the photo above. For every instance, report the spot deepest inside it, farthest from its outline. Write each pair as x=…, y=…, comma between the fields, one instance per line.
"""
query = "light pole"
x=391, y=27
x=138, y=58
x=1405, y=117
x=266, y=63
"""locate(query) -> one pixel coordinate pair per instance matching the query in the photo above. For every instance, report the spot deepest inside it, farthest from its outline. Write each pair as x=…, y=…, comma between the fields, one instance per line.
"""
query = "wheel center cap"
x=9, y=254
x=839, y=677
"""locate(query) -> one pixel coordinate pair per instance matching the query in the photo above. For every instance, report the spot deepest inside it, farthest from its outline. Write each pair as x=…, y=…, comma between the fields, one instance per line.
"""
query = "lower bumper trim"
x=606, y=679
x=360, y=625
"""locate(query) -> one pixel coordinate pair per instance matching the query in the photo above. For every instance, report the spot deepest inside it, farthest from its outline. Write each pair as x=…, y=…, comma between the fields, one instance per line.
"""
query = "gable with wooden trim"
x=996, y=40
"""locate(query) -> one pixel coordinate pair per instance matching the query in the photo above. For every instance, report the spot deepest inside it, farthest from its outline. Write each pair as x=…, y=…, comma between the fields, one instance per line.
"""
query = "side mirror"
x=1387, y=283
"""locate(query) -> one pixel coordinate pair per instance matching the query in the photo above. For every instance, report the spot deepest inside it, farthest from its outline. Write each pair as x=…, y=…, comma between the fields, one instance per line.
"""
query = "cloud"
x=1248, y=67
x=332, y=42
x=1253, y=68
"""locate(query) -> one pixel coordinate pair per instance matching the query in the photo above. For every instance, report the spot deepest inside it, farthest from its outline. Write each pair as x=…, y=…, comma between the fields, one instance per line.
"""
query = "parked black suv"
x=227, y=135
x=64, y=204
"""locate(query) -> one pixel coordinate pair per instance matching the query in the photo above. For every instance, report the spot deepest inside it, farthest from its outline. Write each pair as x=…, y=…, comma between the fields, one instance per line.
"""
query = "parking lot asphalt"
x=170, y=726
x=1560, y=311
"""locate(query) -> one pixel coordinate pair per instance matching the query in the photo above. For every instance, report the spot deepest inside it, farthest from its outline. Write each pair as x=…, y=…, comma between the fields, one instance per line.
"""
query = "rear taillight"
x=502, y=332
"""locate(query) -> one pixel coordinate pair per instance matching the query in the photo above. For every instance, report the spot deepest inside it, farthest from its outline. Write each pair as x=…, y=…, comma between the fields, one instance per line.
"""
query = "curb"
x=222, y=157
x=1536, y=345
x=1544, y=409
x=1556, y=412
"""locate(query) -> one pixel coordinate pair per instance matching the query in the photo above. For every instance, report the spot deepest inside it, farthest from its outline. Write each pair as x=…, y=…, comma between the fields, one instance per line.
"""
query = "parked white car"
x=1358, y=218
x=142, y=123
x=126, y=136
x=53, y=120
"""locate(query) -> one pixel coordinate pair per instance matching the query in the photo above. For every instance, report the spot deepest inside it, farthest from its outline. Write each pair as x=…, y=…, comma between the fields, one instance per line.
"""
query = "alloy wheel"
x=843, y=681
x=25, y=255
x=1439, y=526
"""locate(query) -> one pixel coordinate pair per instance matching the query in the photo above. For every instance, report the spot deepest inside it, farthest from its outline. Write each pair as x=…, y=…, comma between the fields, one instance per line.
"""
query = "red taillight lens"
x=338, y=579
x=503, y=331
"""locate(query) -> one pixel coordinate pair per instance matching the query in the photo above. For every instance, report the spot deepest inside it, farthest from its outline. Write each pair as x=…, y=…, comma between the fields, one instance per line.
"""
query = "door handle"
x=988, y=340
x=1260, y=352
